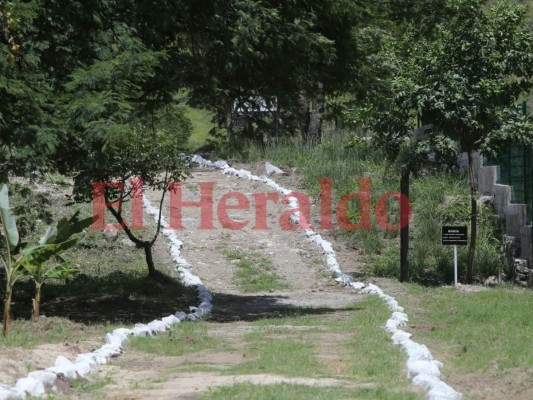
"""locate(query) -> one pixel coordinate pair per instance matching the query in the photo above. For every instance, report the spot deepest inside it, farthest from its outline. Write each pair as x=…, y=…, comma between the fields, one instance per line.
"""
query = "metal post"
x=455, y=265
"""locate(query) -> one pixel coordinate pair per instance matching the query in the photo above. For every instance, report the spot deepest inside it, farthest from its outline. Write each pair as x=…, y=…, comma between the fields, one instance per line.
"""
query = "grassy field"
x=482, y=336
x=438, y=198
x=351, y=347
x=202, y=124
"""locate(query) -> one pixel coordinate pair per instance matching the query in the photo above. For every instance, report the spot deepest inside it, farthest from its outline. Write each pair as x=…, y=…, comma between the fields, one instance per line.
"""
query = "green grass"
x=352, y=347
x=184, y=338
x=112, y=288
x=285, y=391
x=437, y=198
x=367, y=353
x=202, y=124
x=255, y=273
x=475, y=331
x=288, y=357
x=90, y=386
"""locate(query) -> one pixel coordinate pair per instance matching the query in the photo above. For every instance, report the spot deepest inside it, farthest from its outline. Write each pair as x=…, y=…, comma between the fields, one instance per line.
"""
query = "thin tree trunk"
x=7, y=312
x=473, y=221
x=37, y=303
x=147, y=245
x=316, y=118
x=404, y=232
x=149, y=259
x=303, y=117
x=127, y=230
x=230, y=120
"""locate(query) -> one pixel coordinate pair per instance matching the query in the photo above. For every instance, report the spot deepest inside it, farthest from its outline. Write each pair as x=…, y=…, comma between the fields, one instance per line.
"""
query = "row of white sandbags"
x=422, y=368
x=39, y=383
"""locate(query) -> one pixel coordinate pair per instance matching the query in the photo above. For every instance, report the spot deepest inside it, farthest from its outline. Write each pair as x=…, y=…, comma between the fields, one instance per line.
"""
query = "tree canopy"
x=86, y=88
x=463, y=74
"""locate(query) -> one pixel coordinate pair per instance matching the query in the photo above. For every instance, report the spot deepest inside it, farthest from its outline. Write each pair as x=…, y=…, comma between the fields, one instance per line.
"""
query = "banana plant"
x=42, y=261
x=60, y=271
x=12, y=268
x=34, y=260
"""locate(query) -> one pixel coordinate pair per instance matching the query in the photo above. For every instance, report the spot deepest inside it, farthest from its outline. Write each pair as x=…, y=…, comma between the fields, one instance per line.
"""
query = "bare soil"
x=310, y=289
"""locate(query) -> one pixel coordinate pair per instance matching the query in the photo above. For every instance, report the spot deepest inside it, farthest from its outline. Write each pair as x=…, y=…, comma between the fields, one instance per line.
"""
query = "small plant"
x=255, y=273
x=36, y=260
x=33, y=260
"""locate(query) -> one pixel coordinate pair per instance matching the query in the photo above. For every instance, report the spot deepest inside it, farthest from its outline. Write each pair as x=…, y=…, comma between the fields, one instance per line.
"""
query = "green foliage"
x=30, y=259
x=278, y=51
x=8, y=229
x=473, y=72
x=8, y=221
x=459, y=66
x=437, y=198
x=444, y=200
x=28, y=125
x=384, y=265
x=460, y=69
x=57, y=239
x=30, y=208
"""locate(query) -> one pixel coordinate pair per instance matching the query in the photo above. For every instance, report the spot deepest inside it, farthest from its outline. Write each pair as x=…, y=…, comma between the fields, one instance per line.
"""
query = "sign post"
x=455, y=265
x=454, y=235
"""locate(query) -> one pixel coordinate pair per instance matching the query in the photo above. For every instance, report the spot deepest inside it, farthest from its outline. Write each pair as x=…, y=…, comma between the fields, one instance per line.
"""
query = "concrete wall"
x=513, y=216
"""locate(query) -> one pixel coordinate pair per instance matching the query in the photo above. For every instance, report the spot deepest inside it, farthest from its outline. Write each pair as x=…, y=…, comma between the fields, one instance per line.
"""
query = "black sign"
x=454, y=235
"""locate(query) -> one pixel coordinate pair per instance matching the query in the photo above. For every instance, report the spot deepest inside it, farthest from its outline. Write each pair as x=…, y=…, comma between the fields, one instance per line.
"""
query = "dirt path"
x=309, y=288
x=295, y=259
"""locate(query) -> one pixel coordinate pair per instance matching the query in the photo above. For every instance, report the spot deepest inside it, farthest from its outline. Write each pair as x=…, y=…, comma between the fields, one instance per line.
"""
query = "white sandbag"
x=273, y=170
x=170, y=320
x=141, y=330
x=6, y=393
x=63, y=366
x=47, y=378
x=157, y=326
x=30, y=386
x=82, y=368
x=400, y=336
x=419, y=367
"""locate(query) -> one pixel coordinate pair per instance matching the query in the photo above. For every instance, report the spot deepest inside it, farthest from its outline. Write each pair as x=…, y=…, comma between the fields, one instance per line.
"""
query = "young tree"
x=147, y=150
x=474, y=72
x=464, y=74
x=42, y=261
x=118, y=124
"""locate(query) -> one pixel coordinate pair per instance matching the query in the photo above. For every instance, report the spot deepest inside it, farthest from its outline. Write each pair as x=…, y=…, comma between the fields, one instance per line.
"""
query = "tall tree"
x=28, y=123
x=294, y=54
x=464, y=74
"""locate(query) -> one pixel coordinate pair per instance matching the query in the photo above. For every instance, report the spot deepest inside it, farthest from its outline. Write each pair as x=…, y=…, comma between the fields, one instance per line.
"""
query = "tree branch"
x=165, y=189
x=120, y=220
